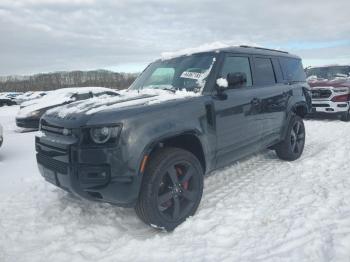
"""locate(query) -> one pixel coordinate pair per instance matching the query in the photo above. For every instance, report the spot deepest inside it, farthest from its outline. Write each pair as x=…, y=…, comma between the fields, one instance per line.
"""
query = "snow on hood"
x=126, y=98
x=55, y=98
x=336, y=82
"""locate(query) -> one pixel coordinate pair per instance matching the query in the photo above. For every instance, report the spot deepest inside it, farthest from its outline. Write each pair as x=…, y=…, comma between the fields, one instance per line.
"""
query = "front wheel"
x=292, y=146
x=345, y=116
x=171, y=189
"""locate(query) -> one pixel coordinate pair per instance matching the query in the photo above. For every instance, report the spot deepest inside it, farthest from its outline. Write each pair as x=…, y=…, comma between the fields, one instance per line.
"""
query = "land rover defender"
x=183, y=117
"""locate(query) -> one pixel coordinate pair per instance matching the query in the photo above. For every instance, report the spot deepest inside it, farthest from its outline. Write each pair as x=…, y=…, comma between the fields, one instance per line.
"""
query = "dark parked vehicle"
x=31, y=111
x=151, y=147
x=8, y=99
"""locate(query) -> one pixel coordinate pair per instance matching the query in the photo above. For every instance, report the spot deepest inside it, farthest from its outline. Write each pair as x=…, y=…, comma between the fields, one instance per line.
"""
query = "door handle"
x=255, y=101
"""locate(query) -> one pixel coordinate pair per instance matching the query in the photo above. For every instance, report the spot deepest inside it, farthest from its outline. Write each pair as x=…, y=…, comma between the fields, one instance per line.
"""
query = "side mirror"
x=236, y=80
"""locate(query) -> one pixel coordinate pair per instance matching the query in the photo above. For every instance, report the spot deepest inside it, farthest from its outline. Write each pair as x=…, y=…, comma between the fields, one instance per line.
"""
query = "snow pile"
x=222, y=82
x=260, y=209
x=126, y=98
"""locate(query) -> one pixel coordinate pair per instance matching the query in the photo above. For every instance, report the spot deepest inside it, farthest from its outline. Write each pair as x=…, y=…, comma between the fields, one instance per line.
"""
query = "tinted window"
x=237, y=64
x=292, y=69
x=264, y=71
x=82, y=96
x=109, y=93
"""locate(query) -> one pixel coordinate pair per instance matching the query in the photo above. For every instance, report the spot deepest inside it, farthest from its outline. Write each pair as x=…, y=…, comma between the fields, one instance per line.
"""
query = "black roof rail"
x=262, y=48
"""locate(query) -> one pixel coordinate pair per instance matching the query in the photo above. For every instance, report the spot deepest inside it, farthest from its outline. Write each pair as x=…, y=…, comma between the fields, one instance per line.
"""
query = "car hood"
x=337, y=82
x=40, y=106
x=100, y=109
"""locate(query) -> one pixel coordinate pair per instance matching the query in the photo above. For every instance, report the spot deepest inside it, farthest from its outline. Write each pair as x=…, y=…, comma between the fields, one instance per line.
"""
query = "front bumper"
x=327, y=106
x=28, y=122
x=93, y=173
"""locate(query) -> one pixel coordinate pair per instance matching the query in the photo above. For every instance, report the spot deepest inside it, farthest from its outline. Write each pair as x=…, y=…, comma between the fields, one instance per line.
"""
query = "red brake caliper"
x=180, y=173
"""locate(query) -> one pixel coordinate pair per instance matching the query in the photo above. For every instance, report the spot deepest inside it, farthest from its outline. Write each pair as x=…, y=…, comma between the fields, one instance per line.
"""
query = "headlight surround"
x=104, y=134
x=35, y=113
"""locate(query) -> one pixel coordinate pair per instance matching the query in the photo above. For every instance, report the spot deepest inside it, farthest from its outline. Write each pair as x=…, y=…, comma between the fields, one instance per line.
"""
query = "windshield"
x=186, y=72
x=329, y=72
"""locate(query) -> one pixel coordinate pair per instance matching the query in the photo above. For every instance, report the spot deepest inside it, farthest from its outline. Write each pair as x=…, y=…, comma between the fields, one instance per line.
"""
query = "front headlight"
x=101, y=135
x=341, y=90
x=35, y=113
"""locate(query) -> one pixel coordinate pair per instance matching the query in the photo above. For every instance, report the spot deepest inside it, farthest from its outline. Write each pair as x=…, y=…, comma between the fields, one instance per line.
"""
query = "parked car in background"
x=330, y=87
x=182, y=118
x=28, y=96
x=8, y=99
x=31, y=111
x=1, y=135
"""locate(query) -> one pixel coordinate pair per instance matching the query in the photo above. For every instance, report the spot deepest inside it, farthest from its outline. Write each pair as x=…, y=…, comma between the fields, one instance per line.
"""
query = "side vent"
x=210, y=113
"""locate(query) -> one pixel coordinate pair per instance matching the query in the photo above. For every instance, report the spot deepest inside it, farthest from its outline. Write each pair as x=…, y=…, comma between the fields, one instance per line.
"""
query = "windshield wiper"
x=169, y=89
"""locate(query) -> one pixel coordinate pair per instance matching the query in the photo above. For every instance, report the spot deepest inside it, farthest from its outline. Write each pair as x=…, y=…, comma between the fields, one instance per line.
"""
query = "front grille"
x=321, y=93
x=45, y=127
x=52, y=164
x=320, y=105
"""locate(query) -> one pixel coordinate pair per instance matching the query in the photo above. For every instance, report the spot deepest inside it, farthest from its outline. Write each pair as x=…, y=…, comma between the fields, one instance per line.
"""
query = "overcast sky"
x=125, y=35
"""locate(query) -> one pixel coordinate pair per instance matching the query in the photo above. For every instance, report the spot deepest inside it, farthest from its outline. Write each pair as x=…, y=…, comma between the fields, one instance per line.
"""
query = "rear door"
x=273, y=94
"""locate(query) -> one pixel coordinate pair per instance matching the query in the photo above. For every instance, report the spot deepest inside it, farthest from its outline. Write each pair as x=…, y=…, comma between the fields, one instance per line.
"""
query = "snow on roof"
x=215, y=46
x=329, y=65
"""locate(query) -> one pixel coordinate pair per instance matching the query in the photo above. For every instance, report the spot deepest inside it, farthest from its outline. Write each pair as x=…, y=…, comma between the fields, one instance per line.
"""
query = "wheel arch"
x=301, y=109
x=187, y=140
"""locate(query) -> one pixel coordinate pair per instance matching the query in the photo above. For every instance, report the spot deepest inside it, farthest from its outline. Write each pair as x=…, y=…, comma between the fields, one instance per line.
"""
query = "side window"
x=292, y=69
x=109, y=93
x=237, y=64
x=82, y=96
x=264, y=71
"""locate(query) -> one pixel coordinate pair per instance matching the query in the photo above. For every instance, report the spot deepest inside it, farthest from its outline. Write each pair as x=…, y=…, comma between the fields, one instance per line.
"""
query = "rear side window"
x=292, y=69
x=237, y=64
x=264, y=71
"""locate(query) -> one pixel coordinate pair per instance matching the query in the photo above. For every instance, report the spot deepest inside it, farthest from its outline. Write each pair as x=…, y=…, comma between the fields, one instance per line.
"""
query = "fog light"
x=342, y=105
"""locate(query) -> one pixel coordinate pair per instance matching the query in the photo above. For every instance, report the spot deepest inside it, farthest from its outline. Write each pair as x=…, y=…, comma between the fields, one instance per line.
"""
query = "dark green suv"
x=183, y=117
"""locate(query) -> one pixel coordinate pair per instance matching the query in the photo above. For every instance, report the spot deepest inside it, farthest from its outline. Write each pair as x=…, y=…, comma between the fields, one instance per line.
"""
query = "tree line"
x=56, y=80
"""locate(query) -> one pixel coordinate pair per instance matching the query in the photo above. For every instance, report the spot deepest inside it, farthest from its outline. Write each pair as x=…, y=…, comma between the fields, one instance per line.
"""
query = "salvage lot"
x=260, y=208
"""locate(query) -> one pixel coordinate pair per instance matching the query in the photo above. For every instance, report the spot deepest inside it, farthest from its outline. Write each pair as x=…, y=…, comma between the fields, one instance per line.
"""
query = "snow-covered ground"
x=260, y=209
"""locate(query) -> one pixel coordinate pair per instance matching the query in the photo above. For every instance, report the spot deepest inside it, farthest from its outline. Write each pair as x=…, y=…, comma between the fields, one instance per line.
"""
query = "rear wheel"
x=171, y=190
x=292, y=146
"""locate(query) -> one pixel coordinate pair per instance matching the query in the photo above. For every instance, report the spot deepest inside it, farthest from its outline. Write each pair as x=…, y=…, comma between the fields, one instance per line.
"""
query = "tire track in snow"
x=260, y=208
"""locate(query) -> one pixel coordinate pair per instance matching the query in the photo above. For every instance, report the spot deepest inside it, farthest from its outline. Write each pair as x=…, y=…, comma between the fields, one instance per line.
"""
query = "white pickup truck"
x=330, y=88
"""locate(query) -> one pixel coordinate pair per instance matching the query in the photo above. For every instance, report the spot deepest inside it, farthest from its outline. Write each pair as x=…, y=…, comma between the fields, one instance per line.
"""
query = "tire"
x=345, y=117
x=292, y=146
x=171, y=189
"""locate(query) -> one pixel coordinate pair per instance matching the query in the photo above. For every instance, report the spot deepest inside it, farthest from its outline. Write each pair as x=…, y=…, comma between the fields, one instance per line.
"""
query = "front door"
x=237, y=111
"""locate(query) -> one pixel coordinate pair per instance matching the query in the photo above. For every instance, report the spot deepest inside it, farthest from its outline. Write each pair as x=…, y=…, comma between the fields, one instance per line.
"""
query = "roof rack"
x=262, y=48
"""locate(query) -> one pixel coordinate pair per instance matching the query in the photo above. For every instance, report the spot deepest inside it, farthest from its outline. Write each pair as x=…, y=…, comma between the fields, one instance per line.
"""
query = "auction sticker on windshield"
x=191, y=75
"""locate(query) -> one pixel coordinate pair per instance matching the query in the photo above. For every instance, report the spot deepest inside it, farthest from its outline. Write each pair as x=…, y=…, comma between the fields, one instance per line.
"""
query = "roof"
x=325, y=66
x=256, y=51
x=243, y=49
